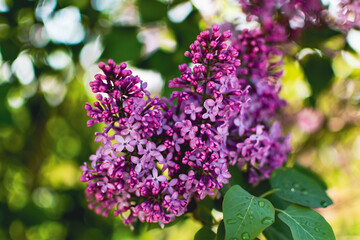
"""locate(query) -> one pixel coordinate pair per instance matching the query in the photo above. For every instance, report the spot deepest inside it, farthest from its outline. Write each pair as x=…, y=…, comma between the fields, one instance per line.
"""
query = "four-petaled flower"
x=123, y=143
x=192, y=110
x=211, y=110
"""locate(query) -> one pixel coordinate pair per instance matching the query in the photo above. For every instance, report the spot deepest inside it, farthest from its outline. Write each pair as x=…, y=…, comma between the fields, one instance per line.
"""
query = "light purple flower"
x=192, y=110
x=211, y=110
x=123, y=143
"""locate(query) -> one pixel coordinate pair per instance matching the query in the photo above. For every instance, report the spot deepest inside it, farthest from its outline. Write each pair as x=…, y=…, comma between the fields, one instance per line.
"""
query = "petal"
x=161, y=148
x=154, y=172
x=125, y=132
x=183, y=177
x=129, y=148
x=137, y=125
x=161, y=178
x=138, y=168
x=119, y=139
x=120, y=147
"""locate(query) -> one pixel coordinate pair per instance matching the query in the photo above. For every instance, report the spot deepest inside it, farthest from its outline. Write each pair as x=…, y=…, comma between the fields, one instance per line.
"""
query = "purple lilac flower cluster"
x=125, y=172
x=156, y=155
x=210, y=96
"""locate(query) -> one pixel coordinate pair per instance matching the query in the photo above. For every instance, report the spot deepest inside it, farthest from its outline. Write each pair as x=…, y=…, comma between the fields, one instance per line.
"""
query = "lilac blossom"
x=221, y=118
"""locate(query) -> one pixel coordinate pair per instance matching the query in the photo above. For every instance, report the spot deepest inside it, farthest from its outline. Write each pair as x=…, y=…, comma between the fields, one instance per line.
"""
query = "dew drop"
x=239, y=216
x=292, y=189
x=261, y=204
x=231, y=221
x=308, y=224
x=245, y=236
x=304, y=192
x=317, y=229
x=267, y=220
x=324, y=204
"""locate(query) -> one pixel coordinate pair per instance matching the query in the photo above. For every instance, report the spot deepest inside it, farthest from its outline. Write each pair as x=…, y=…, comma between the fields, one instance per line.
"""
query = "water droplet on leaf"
x=324, y=204
x=317, y=229
x=231, y=221
x=267, y=220
x=245, y=236
x=239, y=216
x=261, y=204
x=292, y=189
x=303, y=191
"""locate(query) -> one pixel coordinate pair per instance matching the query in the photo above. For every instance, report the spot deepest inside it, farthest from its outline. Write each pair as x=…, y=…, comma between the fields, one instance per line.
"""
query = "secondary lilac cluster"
x=261, y=69
x=286, y=19
x=349, y=14
x=285, y=16
x=263, y=148
x=156, y=155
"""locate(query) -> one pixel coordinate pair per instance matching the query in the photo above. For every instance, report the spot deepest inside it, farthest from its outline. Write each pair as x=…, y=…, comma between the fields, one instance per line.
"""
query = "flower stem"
x=269, y=192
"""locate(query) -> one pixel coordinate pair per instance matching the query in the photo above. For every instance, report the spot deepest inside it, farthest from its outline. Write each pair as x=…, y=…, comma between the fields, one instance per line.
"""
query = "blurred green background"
x=48, y=54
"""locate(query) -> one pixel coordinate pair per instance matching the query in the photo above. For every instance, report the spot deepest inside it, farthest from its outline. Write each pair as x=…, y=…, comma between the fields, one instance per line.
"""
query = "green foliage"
x=151, y=10
x=296, y=187
x=318, y=72
x=315, y=37
x=221, y=231
x=305, y=223
x=314, y=176
x=245, y=216
x=205, y=233
x=278, y=231
x=122, y=44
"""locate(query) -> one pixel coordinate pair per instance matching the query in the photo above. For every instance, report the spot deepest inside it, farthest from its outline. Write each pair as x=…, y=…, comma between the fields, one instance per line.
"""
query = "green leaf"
x=298, y=188
x=277, y=201
x=245, y=216
x=315, y=37
x=151, y=10
x=305, y=223
x=204, y=214
x=5, y=115
x=121, y=44
x=308, y=172
x=205, y=233
x=237, y=178
x=318, y=72
x=221, y=231
x=278, y=231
